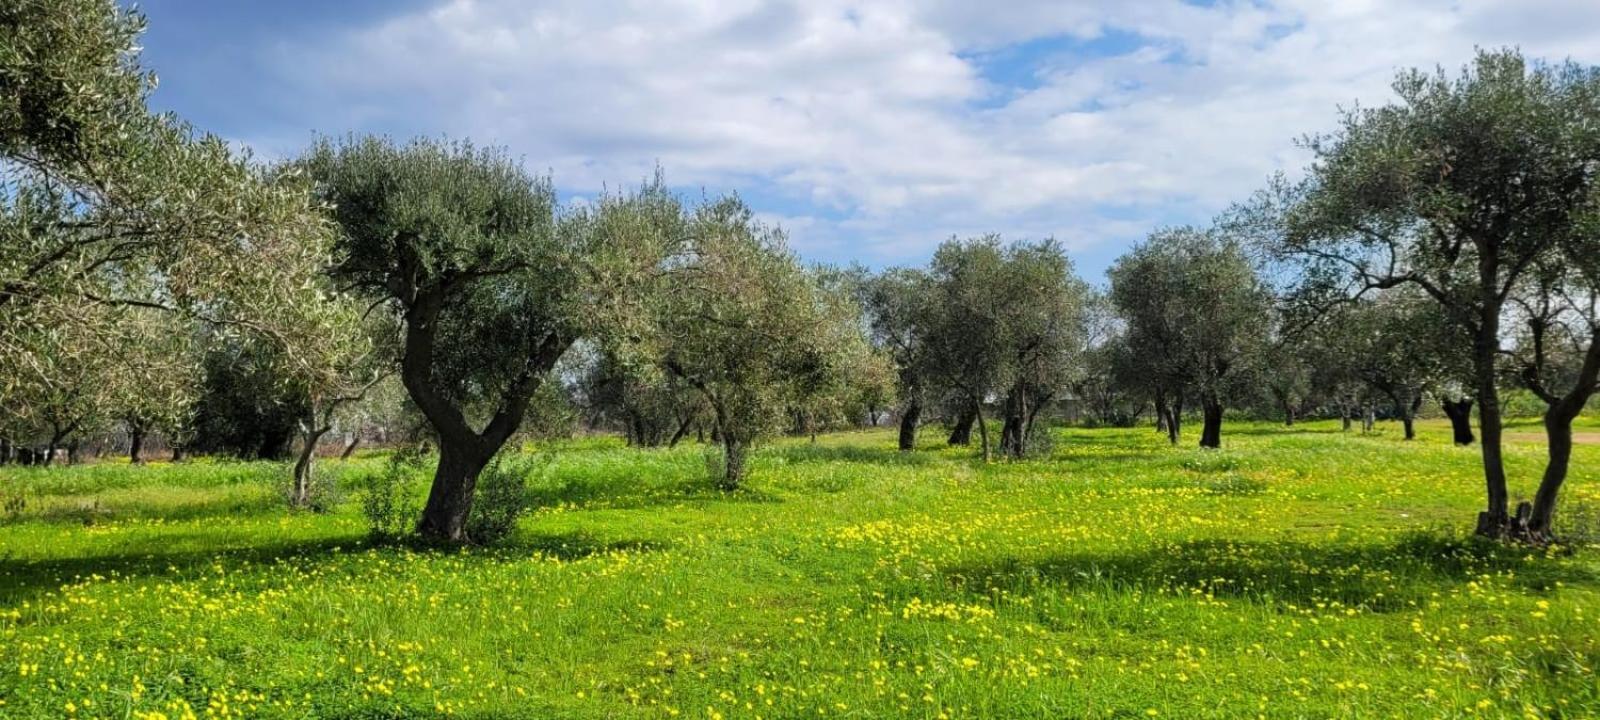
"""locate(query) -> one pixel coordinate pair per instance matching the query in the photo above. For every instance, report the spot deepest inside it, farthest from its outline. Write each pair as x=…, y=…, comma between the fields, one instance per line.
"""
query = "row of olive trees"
x=446, y=265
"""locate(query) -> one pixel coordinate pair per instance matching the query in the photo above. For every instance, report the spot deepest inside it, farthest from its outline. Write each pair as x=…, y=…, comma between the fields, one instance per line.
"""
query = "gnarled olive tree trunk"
x=463, y=451
x=961, y=434
x=908, y=425
x=1460, y=414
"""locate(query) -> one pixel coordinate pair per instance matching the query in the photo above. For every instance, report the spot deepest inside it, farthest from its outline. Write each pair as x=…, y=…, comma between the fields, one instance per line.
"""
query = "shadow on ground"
x=1377, y=577
x=169, y=556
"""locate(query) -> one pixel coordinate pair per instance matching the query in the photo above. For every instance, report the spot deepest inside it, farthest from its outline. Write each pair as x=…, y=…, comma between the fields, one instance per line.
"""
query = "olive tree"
x=650, y=406
x=490, y=281
x=1459, y=188
x=1197, y=316
x=899, y=318
x=104, y=202
x=745, y=324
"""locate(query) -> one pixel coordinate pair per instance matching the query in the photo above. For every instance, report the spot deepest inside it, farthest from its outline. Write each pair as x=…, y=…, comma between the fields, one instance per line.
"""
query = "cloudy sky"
x=871, y=130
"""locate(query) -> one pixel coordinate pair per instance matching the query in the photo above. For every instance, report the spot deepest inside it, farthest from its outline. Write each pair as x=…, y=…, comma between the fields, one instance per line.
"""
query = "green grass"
x=1302, y=573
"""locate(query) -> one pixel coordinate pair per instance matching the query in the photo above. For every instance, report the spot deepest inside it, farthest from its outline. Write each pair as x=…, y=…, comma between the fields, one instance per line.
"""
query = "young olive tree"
x=490, y=280
x=966, y=343
x=744, y=323
x=1043, y=326
x=1197, y=315
x=1460, y=188
x=899, y=316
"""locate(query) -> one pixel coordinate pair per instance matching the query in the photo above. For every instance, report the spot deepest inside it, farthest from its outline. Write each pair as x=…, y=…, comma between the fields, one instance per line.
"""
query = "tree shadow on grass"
x=1375, y=577
x=93, y=511
x=624, y=493
x=24, y=580
x=574, y=545
x=868, y=455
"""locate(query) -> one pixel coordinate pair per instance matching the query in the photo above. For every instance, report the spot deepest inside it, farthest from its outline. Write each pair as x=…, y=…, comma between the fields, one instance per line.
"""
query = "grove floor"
x=1299, y=572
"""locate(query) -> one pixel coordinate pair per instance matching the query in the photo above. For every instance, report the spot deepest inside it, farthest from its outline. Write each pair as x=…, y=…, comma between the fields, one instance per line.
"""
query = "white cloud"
x=874, y=121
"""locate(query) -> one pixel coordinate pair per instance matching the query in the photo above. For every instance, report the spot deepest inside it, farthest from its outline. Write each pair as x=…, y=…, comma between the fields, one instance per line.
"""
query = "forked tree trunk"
x=908, y=425
x=1558, y=419
x=1408, y=414
x=1460, y=414
x=1211, y=431
x=305, y=465
x=961, y=434
x=57, y=436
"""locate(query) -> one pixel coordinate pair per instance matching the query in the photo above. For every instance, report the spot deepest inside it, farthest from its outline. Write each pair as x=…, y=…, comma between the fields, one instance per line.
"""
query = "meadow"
x=1298, y=572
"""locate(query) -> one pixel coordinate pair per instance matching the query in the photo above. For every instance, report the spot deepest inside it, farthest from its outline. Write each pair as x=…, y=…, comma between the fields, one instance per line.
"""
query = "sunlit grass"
x=1300, y=572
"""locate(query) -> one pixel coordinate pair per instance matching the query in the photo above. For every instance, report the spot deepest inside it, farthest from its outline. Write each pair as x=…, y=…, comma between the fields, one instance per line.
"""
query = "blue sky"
x=870, y=130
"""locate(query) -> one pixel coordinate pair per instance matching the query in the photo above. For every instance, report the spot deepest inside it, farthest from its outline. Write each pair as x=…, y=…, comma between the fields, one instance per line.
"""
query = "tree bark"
x=1014, y=431
x=1460, y=414
x=683, y=427
x=1558, y=433
x=304, y=464
x=444, y=517
x=1495, y=520
x=1175, y=420
x=1211, y=431
x=463, y=451
x=983, y=430
x=961, y=434
x=908, y=425
x=350, y=448
x=1558, y=419
x=136, y=434
x=734, y=452
x=57, y=435
x=1408, y=413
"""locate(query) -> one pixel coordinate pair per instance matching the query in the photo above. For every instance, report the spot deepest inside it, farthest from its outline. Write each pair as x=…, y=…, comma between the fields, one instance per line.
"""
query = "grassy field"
x=1302, y=573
